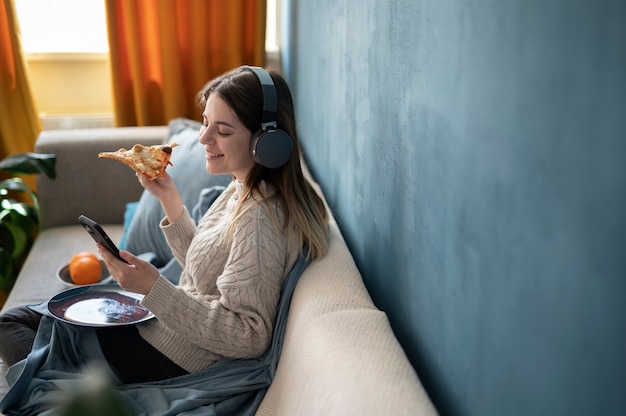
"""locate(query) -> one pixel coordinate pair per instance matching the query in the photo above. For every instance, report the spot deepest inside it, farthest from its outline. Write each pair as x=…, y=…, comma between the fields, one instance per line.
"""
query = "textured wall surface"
x=474, y=153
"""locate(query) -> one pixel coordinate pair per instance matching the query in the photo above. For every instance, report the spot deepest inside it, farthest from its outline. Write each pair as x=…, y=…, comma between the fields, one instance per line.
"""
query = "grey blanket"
x=41, y=384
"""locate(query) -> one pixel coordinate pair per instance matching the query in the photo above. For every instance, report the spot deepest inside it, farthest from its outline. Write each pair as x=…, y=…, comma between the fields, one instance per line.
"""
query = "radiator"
x=76, y=121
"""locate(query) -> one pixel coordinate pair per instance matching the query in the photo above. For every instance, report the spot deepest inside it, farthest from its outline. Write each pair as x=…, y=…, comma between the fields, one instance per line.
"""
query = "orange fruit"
x=85, y=268
x=83, y=254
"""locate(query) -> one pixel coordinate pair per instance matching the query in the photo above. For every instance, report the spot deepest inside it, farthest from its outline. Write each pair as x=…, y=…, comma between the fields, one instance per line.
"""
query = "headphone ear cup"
x=271, y=148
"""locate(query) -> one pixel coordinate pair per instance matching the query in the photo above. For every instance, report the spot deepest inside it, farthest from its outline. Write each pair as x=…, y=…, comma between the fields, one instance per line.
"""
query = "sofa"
x=339, y=355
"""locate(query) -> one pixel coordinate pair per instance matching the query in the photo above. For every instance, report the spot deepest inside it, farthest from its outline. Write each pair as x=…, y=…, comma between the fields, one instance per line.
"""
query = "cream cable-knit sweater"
x=226, y=301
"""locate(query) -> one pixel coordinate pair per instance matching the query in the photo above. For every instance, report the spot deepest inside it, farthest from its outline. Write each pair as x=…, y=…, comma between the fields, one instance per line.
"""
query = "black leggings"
x=132, y=359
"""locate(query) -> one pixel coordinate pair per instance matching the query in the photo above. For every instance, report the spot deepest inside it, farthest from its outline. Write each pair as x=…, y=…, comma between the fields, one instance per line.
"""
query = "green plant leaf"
x=7, y=272
x=15, y=184
x=18, y=185
x=30, y=163
x=11, y=205
x=22, y=215
x=13, y=239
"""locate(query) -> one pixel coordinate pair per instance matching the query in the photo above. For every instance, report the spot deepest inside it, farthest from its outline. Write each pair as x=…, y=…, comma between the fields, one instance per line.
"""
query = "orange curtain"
x=164, y=51
x=19, y=123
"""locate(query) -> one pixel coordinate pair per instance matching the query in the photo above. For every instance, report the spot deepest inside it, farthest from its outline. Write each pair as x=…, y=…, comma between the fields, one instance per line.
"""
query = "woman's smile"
x=212, y=155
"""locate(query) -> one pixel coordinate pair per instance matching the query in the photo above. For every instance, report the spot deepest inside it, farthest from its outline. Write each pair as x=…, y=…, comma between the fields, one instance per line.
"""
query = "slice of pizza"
x=149, y=161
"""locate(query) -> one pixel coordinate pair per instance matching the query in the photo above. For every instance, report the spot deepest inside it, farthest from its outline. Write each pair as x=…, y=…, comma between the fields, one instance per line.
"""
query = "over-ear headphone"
x=269, y=146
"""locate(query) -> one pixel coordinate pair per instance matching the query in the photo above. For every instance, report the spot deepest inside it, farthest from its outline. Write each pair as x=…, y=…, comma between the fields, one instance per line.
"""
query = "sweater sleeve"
x=237, y=321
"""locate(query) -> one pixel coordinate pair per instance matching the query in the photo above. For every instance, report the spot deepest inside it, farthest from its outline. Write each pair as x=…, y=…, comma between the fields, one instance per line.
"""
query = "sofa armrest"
x=85, y=184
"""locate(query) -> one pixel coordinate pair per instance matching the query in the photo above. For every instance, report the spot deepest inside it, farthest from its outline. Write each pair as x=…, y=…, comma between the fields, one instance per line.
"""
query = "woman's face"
x=225, y=139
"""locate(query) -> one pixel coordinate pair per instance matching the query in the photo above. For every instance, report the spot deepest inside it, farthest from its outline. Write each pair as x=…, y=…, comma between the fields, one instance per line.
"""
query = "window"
x=272, y=33
x=79, y=26
x=66, y=48
x=62, y=26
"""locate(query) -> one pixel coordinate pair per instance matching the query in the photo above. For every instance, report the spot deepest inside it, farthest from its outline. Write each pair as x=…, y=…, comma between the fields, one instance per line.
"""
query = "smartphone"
x=99, y=235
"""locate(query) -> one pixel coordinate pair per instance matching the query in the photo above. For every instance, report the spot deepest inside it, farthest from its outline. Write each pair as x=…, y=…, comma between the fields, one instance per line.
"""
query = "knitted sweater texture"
x=226, y=301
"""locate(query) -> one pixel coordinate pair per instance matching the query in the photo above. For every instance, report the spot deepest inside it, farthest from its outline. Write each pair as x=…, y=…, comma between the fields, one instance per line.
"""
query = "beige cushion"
x=340, y=356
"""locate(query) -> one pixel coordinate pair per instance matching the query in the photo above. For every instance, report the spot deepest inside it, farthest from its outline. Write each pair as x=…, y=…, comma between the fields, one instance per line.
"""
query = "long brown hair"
x=303, y=210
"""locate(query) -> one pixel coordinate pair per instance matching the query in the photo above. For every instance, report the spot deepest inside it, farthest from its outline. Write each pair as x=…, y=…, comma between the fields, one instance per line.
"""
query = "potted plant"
x=19, y=221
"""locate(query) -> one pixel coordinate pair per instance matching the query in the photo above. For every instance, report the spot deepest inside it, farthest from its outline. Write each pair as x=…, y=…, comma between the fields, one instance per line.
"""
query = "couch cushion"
x=189, y=173
x=345, y=363
x=340, y=355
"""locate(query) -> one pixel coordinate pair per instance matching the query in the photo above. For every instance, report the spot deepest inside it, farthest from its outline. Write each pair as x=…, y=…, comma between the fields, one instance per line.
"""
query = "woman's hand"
x=139, y=276
x=167, y=194
x=160, y=188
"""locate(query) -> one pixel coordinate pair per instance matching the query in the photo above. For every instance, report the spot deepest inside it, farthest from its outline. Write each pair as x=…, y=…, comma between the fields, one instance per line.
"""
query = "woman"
x=234, y=261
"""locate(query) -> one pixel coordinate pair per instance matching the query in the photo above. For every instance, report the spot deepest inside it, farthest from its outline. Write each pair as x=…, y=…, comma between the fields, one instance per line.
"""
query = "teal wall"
x=474, y=154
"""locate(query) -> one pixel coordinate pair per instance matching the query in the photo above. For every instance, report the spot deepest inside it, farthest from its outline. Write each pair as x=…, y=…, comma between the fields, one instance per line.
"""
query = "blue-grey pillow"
x=129, y=214
x=189, y=173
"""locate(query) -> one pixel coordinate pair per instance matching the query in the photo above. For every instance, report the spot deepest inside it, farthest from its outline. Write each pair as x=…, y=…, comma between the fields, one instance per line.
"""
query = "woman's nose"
x=205, y=136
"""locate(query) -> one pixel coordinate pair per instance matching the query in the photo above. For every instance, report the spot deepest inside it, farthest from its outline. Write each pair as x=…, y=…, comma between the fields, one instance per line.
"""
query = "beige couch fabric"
x=340, y=356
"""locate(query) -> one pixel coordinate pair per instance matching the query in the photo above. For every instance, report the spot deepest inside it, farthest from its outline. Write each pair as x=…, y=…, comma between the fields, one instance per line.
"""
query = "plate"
x=99, y=306
x=63, y=274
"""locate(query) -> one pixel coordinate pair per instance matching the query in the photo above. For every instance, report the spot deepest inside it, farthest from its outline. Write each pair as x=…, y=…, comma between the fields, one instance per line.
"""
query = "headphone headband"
x=270, y=98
